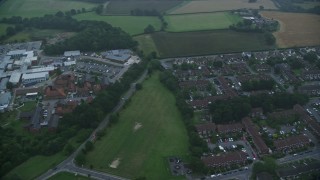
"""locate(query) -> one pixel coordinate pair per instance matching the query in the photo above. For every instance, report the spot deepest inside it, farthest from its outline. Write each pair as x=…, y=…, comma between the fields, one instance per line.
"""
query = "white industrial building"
x=69, y=63
x=35, y=77
x=40, y=69
x=15, y=77
x=71, y=53
x=16, y=52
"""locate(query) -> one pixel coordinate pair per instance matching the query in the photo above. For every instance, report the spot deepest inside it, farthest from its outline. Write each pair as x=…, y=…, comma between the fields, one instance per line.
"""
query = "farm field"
x=130, y=24
x=208, y=42
x=221, y=5
x=35, y=166
x=201, y=21
x=67, y=176
x=125, y=7
x=146, y=43
x=307, y=5
x=303, y=31
x=34, y=8
x=150, y=129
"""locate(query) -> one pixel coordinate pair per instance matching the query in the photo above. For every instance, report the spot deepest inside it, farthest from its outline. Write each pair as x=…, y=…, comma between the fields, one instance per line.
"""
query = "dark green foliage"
x=311, y=57
x=149, y=29
x=80, y=159
x=270, y=39
x=255, y=85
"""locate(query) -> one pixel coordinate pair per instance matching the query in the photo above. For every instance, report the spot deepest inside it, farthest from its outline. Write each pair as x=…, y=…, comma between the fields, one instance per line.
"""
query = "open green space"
x=130, y=24
x=207, y=42
x=67, y=176
x=143, y=152
x=28, y=106
x=3, y=29
x=19, y=37
x=146, y=44
x=125, y=7
x=34, y=8
x=35, y=166
x=202, y=21
x=307, y=4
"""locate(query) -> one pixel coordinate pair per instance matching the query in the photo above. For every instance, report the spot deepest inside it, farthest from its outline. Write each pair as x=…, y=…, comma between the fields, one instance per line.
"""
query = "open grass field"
x=125, y=7
x=208, y=42
x=130, y=24
x=3, y=29
x=221, y=5
x=35, y=166
x=150, y=129
x=67, y=176
x=307, y=4
x=302, y=31
x=146, y=44
x=33, y=8
x=202, y=21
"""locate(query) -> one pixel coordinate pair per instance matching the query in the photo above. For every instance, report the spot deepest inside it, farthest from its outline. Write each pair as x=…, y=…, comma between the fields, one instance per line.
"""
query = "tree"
x=149, y=29
x=9, y=85
x=138, y=86
x=270, y=39
x=68, y=149
x=80, y=158
x=60, y=14
x=88, y=146
x=99, y=9
x=10, y=31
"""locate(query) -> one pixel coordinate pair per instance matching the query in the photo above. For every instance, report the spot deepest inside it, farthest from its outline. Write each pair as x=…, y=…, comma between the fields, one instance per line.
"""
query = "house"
x=205, y=129
x=282, y=114
x=261, y=146
x=291, y=142
x=71, y=53
x=198, y=84
x=312, y=90
x=229, y=128
x=5, y=99
x=64, y=107
x=311, y=75
x=224, y=160
x=54, y=93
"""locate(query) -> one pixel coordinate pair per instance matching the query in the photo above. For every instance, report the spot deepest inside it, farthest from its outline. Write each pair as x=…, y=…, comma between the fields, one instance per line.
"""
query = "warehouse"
x=35, y=77
x=15, y=77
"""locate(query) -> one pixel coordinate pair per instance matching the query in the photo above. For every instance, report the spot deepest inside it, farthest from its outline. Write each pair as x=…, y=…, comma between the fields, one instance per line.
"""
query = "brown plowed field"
x=296, y=29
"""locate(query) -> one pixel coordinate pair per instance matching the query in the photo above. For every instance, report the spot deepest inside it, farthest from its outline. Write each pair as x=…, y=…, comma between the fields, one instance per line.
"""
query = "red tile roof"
x=205, y=127
x=291, y=142
x=225, y=159
x=228, y=128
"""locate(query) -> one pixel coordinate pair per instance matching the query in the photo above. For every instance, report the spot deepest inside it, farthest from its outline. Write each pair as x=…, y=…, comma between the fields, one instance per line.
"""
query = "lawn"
x=221, y=5
x=35, y=166
x=3, y=29
x=207, y=42
x=67, y=176
x=303, y=31
x=19, y=37
x=146, y=43
x=34, y=8
x=143, y=152
x=125, y=7
x=130, y=24
x=201, y=21
x=28, y=106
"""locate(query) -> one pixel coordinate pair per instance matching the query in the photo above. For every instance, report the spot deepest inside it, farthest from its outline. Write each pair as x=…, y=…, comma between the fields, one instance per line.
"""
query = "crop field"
x=303, y=31
x=33, y=8
x=130, y=24
x=150, y=129
x=201, y=21
x=208, y=42
x=221, y=5
x=307, y=4
x=125, y=7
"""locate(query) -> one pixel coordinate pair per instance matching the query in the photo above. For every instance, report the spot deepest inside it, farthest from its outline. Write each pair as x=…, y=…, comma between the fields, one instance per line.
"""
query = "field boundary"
x=183, y=3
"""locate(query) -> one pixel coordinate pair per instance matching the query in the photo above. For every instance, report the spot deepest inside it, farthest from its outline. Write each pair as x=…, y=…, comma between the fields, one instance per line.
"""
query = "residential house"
x=291, y=142
x=225, y=160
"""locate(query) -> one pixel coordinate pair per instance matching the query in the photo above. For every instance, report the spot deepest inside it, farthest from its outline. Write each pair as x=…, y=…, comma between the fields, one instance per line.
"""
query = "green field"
x=307, y=5
x=34, y=8
x=3, y=29
x=67, y=176
x=202, y=21
x=125, y=7
x=130, y=24
x=207, y=42
x=146, y=44
x=35, y=166
x=144, y=152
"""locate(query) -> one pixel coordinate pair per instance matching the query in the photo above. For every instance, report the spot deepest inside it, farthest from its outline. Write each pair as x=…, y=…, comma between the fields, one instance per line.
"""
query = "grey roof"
x=71, y=53
x=3, y=83
x=16, y=52
x=5, y=98
x=118, y=55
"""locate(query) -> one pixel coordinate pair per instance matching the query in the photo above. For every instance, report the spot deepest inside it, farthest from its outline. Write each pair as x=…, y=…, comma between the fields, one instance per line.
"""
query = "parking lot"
x=177, y=167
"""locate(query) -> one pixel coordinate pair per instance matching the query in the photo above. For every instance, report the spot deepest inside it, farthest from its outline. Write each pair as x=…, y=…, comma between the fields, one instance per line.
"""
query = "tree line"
x=91, y=36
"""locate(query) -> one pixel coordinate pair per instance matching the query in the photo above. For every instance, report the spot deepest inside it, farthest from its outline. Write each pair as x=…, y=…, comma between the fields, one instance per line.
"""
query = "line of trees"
x=91, y=36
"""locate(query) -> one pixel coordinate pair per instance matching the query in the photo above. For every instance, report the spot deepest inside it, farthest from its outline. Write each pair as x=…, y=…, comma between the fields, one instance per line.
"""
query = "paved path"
x=69, y=166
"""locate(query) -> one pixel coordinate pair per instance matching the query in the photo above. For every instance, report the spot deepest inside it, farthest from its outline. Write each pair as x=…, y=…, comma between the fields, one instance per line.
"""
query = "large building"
x=120, y=56
x=5, y=99
x=35, y=77
x=71, y=53
x=15, y=77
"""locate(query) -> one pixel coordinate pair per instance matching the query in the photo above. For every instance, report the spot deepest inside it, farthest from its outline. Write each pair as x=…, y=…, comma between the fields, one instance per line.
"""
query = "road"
x=68, y=165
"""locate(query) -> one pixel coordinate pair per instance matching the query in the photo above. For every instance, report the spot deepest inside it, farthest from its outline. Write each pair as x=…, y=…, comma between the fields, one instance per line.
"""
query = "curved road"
x=68, y=165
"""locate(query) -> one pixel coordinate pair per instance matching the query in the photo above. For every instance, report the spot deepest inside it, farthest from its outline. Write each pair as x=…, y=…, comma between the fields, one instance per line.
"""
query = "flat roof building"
x=15, y=77
x=35, y=77
x=5, y=99
x=71, y=53
x=3, y=84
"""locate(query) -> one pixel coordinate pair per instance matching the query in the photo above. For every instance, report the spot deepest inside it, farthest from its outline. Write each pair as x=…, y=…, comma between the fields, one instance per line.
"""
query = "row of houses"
x=291, y=142
x=208, y=128
x=225, y=160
